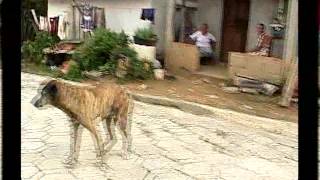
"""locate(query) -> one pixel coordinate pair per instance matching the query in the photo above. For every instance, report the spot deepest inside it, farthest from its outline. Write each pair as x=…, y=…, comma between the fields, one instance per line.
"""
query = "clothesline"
x=59, y=24
x=124, y=8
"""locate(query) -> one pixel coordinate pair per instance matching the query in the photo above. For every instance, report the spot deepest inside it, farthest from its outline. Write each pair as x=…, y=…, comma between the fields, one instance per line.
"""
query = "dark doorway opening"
x=184, y=23
x=235, y=26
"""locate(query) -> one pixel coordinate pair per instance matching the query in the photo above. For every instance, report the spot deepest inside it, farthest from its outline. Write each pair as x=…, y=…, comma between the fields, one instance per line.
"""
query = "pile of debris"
x=60, y=53
x=246, y=85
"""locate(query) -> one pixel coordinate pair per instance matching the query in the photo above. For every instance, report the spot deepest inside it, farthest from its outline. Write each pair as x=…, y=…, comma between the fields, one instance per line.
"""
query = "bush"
x=74, y=73
x=102, y=52
x=32, y=50
x=96, y=50
x=136, y=69
x=145, y=33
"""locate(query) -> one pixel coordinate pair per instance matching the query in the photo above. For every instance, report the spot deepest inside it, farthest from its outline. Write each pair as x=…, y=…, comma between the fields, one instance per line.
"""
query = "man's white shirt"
x=203, y=40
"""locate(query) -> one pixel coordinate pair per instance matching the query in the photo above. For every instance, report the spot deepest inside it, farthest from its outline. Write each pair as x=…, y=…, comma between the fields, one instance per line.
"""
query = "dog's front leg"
x=107, y=134
x=112, y=134
x=75, y=140
x=97, y=140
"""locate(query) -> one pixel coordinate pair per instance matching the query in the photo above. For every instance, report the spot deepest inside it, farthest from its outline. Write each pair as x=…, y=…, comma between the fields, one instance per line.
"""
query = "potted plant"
x=277, y=30
x=145, y=36
x=278, y=25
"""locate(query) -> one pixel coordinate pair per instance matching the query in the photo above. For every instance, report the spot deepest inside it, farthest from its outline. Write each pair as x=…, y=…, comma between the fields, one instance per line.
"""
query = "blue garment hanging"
x=148, y=14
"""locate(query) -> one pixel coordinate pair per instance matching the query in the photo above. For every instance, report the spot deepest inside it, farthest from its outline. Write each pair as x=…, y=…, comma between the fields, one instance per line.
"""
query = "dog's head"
x=46, y=93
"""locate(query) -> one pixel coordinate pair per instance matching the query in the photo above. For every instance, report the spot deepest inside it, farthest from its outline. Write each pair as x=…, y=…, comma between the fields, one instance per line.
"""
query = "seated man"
x=263, y=43
x=204, y=41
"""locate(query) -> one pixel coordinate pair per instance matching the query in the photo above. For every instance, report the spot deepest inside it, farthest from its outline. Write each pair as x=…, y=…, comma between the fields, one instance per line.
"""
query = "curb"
x=193, y=108
x=213, y=112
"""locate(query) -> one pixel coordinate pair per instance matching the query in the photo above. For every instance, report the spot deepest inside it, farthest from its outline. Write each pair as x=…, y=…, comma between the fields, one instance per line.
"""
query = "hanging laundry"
x=148, y=14
x=87, y=18
x=42, y=23
x=46, y=24
x=62, y=26
x=87, y=24
x=54, y=25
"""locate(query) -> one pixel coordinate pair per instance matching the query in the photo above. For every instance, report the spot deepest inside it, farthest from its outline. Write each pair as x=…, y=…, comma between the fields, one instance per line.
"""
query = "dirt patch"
x=204, y=90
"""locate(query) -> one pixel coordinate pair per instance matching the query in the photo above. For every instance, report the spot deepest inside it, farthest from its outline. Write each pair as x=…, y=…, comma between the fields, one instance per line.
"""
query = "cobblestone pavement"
x=167, y=144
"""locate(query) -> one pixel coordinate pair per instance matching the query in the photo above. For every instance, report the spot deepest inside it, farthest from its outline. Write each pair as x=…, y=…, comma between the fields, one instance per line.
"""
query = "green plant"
x=136, y=68
x=145, y=33
x=96, y=50
x=74, y=73
x=32, y=50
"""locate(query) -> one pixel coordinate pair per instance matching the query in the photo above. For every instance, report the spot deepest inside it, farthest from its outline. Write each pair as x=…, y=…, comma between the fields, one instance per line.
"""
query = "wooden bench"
x=181, y=55
x=267, y=69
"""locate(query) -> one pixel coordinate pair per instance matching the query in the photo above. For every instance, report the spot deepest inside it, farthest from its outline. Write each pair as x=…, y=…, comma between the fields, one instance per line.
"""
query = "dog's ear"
x=51, y=88
x=47, y=81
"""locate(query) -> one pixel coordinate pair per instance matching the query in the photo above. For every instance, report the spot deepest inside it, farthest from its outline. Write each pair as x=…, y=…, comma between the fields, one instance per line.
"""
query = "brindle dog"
x=86, y=105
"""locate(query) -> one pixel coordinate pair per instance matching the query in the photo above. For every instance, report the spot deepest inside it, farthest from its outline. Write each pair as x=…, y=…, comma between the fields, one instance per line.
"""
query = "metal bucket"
x=158, y=74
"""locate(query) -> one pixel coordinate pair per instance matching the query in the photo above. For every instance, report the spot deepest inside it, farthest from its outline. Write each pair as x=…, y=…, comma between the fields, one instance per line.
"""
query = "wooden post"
x=289, y=86
x=169, y=22
x=182, y=28
x=169, y=28
x=291, y=39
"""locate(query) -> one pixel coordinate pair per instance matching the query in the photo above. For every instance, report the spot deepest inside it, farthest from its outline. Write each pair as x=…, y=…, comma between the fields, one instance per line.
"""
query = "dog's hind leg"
x=75, y=141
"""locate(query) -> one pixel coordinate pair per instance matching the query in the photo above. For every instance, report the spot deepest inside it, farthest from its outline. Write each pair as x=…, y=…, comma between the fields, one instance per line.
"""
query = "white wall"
x=120, y=15
x=211, y=12
x=260, y=11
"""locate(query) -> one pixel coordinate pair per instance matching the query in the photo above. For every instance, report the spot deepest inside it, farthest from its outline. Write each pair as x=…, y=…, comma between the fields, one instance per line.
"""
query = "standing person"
x=263, y=43
x=205, y=41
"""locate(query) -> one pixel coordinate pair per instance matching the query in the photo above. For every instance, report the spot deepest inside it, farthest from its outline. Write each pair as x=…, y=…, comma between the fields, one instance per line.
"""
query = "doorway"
x=235, y=26
x=184, y=23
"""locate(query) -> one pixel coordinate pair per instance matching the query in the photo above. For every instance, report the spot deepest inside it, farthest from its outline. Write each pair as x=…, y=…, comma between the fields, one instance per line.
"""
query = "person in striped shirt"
x=263, y=43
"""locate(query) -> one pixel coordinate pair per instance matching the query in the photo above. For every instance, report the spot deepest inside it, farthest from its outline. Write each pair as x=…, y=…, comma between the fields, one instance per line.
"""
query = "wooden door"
x=235, y=26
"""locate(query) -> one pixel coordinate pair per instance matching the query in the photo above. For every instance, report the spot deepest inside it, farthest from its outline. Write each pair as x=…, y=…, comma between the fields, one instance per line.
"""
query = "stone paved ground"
x=167, y=144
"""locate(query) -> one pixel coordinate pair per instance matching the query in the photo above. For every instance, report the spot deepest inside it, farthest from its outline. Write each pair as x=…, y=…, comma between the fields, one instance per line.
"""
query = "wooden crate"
x=267, y=69
x=181, y=55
